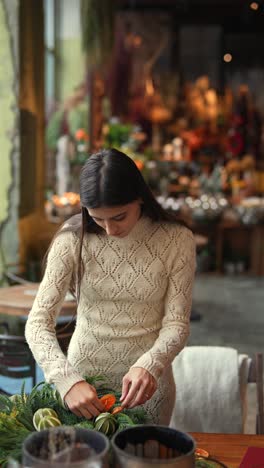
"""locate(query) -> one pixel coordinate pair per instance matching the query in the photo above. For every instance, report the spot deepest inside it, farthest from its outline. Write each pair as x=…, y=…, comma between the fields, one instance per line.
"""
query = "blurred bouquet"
x=116, y=133
x=62, y=207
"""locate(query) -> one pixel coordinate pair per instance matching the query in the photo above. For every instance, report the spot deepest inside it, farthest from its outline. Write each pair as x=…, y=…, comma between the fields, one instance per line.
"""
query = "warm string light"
x=227, y=58
x=254, y=6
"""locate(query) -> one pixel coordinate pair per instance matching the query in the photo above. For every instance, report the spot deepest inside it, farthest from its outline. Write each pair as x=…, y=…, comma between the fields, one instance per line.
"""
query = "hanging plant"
x=97, y=25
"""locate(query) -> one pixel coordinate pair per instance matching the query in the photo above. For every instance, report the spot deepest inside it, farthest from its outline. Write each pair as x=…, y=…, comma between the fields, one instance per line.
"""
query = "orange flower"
x=108, y=401
x=81, y=135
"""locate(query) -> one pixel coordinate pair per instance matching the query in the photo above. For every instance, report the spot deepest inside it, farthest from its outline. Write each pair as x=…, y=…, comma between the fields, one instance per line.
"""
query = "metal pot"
x=145, y=446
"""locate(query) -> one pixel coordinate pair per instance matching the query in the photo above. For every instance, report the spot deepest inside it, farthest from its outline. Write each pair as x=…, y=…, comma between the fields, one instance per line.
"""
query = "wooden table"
x=18, y=300
x=228, y=448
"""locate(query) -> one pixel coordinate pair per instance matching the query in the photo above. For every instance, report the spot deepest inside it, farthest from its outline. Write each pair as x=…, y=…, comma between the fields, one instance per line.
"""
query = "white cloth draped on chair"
x=211, y=384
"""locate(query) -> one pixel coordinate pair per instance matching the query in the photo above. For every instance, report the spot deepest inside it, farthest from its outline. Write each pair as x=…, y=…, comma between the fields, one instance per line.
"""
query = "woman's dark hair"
x=110, y=178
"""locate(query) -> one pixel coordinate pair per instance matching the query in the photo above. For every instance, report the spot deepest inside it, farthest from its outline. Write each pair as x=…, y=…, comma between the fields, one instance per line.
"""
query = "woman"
x=132, y=268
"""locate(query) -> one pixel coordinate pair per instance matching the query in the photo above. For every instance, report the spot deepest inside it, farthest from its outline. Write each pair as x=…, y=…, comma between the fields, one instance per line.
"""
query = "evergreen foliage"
x=17, y=412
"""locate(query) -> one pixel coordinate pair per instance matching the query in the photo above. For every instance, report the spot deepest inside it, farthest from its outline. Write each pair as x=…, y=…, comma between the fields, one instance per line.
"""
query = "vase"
x=65, y=446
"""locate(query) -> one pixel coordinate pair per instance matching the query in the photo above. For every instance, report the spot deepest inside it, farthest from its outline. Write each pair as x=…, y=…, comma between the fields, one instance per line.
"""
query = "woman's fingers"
x=76, y=412
x=82, y=400
x=138, y=387
x=92, y=408
x=86, y=413
x=98, y=405
x=143, y=395
x=125, y=387
x=87, y=410
x=133, y=390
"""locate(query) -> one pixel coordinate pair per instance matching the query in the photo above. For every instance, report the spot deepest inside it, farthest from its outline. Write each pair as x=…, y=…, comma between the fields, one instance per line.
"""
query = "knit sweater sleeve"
x=40, y=327
x=177, y=307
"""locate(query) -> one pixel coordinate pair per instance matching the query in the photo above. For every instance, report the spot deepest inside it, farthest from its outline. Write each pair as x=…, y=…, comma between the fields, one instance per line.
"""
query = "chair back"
x=16, y=360
x=212, y=389
x=255, y=375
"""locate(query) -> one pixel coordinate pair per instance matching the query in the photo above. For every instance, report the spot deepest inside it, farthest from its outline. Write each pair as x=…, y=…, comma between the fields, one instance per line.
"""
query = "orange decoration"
x=117, y=409
x=201, y=452
x=81, y=135
x=108, y=401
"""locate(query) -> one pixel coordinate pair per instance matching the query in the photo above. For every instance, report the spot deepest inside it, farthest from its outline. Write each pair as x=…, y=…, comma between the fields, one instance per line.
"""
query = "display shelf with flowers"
x=60, y=208
x=43, y=408
x=205, y=209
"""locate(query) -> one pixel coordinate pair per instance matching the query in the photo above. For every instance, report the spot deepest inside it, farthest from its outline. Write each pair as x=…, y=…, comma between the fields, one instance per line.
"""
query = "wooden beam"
x=32, y=108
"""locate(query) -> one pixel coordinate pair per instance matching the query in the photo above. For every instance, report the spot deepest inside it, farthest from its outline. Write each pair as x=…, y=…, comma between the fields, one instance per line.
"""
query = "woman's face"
x=117, y=221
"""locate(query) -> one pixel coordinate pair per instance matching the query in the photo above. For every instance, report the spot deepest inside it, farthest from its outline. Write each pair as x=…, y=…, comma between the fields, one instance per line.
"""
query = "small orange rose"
x=81, y=135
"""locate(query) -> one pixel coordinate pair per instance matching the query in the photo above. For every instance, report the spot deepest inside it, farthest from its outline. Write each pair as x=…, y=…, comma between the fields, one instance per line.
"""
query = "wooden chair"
x=16, y=360
x=255, y=375
x=4, y=327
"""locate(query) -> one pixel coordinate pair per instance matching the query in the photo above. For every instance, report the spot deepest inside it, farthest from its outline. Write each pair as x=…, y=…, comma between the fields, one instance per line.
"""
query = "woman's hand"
x=82, y=400
x=138, y=387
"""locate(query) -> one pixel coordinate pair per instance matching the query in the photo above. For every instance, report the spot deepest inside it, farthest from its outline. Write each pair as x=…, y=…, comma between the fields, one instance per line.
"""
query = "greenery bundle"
x=43, y=408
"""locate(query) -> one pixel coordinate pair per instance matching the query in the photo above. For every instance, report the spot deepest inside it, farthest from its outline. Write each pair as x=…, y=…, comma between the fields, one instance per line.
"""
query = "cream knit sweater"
x=134, y=308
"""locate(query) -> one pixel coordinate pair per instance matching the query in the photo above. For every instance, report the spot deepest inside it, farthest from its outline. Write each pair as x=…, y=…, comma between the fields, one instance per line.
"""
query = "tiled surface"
x=232, y=312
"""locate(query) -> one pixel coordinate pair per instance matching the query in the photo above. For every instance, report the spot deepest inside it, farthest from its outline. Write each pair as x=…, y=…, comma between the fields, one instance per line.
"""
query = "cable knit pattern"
x=134, y=308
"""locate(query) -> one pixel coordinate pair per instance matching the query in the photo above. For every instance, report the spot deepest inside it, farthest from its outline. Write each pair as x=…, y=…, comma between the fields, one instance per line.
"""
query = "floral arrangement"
x=43, y=408
x=116, y=133
x=64, y=206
